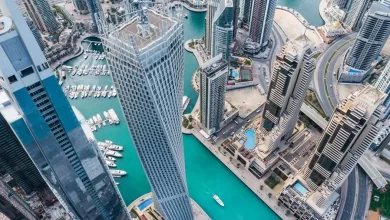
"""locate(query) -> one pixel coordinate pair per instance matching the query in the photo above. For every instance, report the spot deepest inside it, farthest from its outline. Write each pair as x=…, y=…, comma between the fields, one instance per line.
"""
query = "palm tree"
x=278, y=203
x=287, y=212
x=238, y=165
x=230, y=158
x=269, y=195
x=224, y=153
x=261, y=187
x=219, y=148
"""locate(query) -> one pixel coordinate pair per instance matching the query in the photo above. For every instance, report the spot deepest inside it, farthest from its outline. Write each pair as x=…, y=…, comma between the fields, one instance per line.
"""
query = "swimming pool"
x=145, y=204
x=250, y=139
x=233, y=74
x=300, y=188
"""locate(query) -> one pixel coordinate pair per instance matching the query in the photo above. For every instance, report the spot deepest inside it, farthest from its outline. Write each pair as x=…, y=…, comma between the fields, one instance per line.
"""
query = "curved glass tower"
x=146, y=57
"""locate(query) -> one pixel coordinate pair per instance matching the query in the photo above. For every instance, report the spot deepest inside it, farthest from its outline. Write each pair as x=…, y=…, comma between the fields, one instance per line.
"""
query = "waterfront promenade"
x=243, y=174
x=188, y=7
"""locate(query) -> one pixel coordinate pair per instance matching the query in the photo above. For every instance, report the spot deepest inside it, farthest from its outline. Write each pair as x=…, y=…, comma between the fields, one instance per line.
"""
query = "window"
x=26, y=71
x=12, y=79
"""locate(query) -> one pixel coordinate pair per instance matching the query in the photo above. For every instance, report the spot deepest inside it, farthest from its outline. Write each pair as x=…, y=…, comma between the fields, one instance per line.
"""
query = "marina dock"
x=97, y=121
x=85, y=91
x=110, y=153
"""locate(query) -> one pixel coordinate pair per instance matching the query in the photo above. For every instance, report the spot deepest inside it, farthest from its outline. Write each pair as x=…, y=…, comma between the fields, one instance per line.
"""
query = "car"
x=232, y=133
x=258, y=111
x=235, y=121
x=248, y=120
x=240, y=31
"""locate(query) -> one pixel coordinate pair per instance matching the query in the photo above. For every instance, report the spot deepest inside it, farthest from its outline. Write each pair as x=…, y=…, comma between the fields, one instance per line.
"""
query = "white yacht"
x=118, y=172
x=110, y=163
x=218, y=200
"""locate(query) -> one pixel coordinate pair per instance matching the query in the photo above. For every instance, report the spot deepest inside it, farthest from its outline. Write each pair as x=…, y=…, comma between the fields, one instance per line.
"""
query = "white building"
x=222, y=29
x=350, y=131
x=333, y=30
x=146, y=57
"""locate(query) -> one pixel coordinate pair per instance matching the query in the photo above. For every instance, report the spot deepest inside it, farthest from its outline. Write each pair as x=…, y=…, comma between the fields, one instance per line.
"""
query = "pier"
x=97, y=121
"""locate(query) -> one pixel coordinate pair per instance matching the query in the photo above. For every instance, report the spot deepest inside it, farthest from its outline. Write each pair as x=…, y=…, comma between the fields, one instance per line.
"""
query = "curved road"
x=319, y=73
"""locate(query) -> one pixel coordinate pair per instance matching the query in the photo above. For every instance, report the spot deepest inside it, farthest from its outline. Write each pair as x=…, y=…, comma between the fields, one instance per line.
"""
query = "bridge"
x=314, y=115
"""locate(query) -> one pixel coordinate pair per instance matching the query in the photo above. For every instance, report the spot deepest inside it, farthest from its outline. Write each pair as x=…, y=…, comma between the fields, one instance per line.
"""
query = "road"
x=319, y=73
x=360, y=210
x=349, y=202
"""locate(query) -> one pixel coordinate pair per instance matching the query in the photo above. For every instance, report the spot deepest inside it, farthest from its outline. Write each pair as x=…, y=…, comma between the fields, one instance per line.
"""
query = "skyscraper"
x=14, y=159
x=236, y=14
x=49, y=130
x=369, y=43
x=36, y=33
x=42, y=15
x=211, y=9
x=213, y=78
x=355, y=13
x=383, y=84
x=94, y=8
x=81, y=6
x=261, y=22
x=247, y=11
x=222, y=29
x=386, y=2
x=146, y=57
x=350, y=131
x=12, y=206
x=293, y=70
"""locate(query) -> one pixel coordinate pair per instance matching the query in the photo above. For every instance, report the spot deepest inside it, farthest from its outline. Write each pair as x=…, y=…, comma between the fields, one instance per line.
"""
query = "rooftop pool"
x=250, y=139
x=300, y=188
x=143, y=205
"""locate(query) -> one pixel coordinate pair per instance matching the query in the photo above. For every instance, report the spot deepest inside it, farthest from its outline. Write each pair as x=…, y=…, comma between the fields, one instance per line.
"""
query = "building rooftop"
x=147, y=28
x=369, y=98
x=381, y=10
x=5, y=24
x=214, y=65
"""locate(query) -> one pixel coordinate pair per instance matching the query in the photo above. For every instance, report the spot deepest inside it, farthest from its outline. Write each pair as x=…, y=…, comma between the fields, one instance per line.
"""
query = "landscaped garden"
x=380, y=201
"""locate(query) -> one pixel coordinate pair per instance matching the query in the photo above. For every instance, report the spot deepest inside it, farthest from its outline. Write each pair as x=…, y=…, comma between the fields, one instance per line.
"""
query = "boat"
x=116, y=176
x=99, y=118
x=110, y=158
x=117, y=183
x=185, y=15
x=95, y=120
x=186, y=101
x=115, y=147
x=113, y=153
x=86, y=56
x=118, y=172
x=106, y=114
x=110, y=164
x=218, y=200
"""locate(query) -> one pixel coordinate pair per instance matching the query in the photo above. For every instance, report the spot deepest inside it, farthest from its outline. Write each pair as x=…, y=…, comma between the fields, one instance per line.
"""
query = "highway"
x=349, y=203
x=319, y=73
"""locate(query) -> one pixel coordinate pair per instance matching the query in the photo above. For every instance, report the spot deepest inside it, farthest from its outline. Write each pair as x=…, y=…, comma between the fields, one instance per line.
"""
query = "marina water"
x=206, y=175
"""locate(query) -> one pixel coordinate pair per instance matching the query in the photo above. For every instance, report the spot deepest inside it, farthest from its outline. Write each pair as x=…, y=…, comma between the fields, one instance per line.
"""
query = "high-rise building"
x=48, y=129
x=213, y=78
x=36, y=33
x=293, y=70
x=146, y=57
x=342, y=4
x=386, y=2
x=236, y=14
x=247, y=11
x=81, y=6
x=383, y=84
x=94, y=8
x=222, y=29
x=350, y=131
x=12, y=206
x=261, y=22
x=355, y=13
x=41, y=14
x=369, y=43
x=14, y=159
x=211, y=9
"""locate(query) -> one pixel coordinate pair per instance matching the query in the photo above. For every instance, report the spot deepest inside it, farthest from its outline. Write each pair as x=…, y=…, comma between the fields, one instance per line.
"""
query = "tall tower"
x=42, y=15
x=383, y=84
x=94, y=8
x=48, y=128
x=371, y=38
x=247, y=11
x=262, y=19
x=222, y=29
x=36, y=33
x=293, y=70
x=211, y=9
x=355, y=14
x=146, y=57
x=350, y=131
x=213, y=78
x=369, y=42
x=12, y=206
x=341, y=3
x=81, y=6
x=13, y=157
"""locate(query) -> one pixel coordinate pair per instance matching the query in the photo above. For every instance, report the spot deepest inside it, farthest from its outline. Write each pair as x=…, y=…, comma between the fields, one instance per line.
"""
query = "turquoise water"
x=250, y=139
x=301, y=189
x=307, y=8
x=145, y=204
x=233, y=74
x=205, y=174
